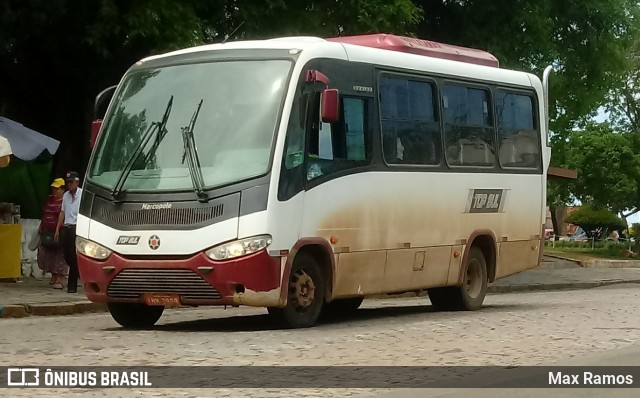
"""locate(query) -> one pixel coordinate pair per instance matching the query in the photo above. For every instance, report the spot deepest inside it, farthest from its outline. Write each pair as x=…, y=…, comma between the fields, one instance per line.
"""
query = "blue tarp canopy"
x=26, y=144
x=25, y=181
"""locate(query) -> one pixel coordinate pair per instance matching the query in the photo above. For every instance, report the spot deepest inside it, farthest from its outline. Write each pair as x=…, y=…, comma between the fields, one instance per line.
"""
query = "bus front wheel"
x=134, y=315
x=471, y=294
x=305, y=296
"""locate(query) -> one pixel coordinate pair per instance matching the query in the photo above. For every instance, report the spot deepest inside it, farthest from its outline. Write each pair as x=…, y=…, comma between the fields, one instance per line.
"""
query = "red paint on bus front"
x=257, y=272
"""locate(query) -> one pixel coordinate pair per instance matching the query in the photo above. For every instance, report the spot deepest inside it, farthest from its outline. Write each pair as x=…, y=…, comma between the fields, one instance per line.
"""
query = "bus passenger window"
x=342, y=145
x=410, y=128
x=519, y=138
x=468, y=126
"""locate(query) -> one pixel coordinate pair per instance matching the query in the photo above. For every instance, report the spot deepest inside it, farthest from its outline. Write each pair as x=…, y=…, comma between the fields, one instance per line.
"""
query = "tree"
x=586, y=40
x=55, y=56
x=624, y=100
x=596, y=222
x=324, y=18
x=608, y=168
x=558, y=193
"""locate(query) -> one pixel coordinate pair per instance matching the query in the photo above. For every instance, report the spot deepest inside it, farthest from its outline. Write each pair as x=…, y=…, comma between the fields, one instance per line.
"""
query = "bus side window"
x=410, y=127
x=468, y=126
x=343, y=145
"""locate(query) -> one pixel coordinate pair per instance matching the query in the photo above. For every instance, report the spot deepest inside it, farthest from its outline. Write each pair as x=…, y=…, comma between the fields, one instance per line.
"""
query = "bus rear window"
x=519, y=138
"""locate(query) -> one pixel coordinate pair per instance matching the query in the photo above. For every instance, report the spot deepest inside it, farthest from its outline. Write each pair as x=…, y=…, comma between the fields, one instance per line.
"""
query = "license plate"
x=164, y=300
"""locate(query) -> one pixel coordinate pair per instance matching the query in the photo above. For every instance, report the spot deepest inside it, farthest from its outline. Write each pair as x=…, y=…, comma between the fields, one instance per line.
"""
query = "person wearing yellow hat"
x=50, y=252
x=58, y=183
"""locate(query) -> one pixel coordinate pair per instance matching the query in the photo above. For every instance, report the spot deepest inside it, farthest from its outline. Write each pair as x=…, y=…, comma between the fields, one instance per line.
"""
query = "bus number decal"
x=128, y=240
x=485, y=201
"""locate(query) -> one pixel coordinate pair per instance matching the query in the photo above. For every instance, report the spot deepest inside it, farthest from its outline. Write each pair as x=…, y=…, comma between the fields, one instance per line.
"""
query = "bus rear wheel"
x=469, y=296
x=135, y=315
x=305, y=297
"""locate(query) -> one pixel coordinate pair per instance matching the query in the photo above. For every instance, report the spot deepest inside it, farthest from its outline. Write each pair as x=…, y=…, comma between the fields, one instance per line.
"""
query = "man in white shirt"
x=67, y=223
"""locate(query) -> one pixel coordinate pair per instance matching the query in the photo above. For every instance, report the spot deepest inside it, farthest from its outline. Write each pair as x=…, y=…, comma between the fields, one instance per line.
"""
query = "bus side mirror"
x=95, y=129
x=329, y=108
x=105, y=94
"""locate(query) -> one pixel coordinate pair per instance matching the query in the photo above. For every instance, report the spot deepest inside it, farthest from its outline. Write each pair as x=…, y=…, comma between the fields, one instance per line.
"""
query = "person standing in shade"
x=51, y=254
x=67, y=226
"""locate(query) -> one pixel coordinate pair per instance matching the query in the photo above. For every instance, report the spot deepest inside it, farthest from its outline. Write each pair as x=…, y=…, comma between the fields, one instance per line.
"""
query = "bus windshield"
x=240, y=102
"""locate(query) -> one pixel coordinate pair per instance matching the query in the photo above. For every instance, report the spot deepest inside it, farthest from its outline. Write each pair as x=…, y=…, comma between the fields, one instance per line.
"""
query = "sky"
x=633, y=219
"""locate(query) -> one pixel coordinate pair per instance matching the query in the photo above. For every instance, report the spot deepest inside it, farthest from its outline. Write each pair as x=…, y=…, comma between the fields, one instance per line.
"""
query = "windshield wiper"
x=191, y=154
x=146, y=137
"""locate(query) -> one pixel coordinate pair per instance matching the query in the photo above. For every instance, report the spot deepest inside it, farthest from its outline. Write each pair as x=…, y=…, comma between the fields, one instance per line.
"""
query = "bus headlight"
x=92, y=249
x=239, y=248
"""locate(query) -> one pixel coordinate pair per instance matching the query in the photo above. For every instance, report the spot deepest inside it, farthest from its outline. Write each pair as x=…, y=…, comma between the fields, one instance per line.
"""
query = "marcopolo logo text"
x=156, y=206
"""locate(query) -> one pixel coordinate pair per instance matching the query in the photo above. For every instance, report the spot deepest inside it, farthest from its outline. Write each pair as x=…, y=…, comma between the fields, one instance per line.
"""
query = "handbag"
x=48, y=241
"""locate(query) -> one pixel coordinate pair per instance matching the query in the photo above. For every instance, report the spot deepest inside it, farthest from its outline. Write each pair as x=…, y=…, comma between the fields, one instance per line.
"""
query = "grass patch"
x=580, y=250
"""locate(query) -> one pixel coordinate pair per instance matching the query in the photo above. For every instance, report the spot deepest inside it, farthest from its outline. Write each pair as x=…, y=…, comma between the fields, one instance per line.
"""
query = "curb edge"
x=50, y=309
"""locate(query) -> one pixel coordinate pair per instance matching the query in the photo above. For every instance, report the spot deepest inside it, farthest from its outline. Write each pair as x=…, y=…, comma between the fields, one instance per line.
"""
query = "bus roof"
x=379, y=41
x=421, y=47
x=410, y=53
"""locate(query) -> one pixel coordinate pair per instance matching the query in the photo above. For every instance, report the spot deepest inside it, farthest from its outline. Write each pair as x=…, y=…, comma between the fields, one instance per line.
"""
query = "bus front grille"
x=133, y=282
x=170, y=216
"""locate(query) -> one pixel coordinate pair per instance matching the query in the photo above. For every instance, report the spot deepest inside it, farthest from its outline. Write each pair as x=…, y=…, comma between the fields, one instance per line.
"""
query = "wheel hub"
x=303, y=289
x=473, y=279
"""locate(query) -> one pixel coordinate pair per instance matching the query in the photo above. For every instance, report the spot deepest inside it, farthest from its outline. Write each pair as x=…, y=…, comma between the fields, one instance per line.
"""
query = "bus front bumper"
x=252, y=280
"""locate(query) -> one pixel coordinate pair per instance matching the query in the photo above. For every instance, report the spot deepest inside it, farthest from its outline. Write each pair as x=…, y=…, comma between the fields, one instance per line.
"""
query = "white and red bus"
x=303, y=174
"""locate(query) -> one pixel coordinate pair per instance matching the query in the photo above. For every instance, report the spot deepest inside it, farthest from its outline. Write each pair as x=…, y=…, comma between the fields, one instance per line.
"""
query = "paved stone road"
x=513, y=329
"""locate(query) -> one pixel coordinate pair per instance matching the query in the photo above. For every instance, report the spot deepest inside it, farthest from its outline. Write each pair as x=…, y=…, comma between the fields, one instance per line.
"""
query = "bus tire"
x=305, y=296
x=343, y=306
x=135, y=315
x=442, y=298
x=469, y=296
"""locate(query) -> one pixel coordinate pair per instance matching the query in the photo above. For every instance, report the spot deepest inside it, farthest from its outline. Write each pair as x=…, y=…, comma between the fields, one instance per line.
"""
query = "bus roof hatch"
x=420, y=47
